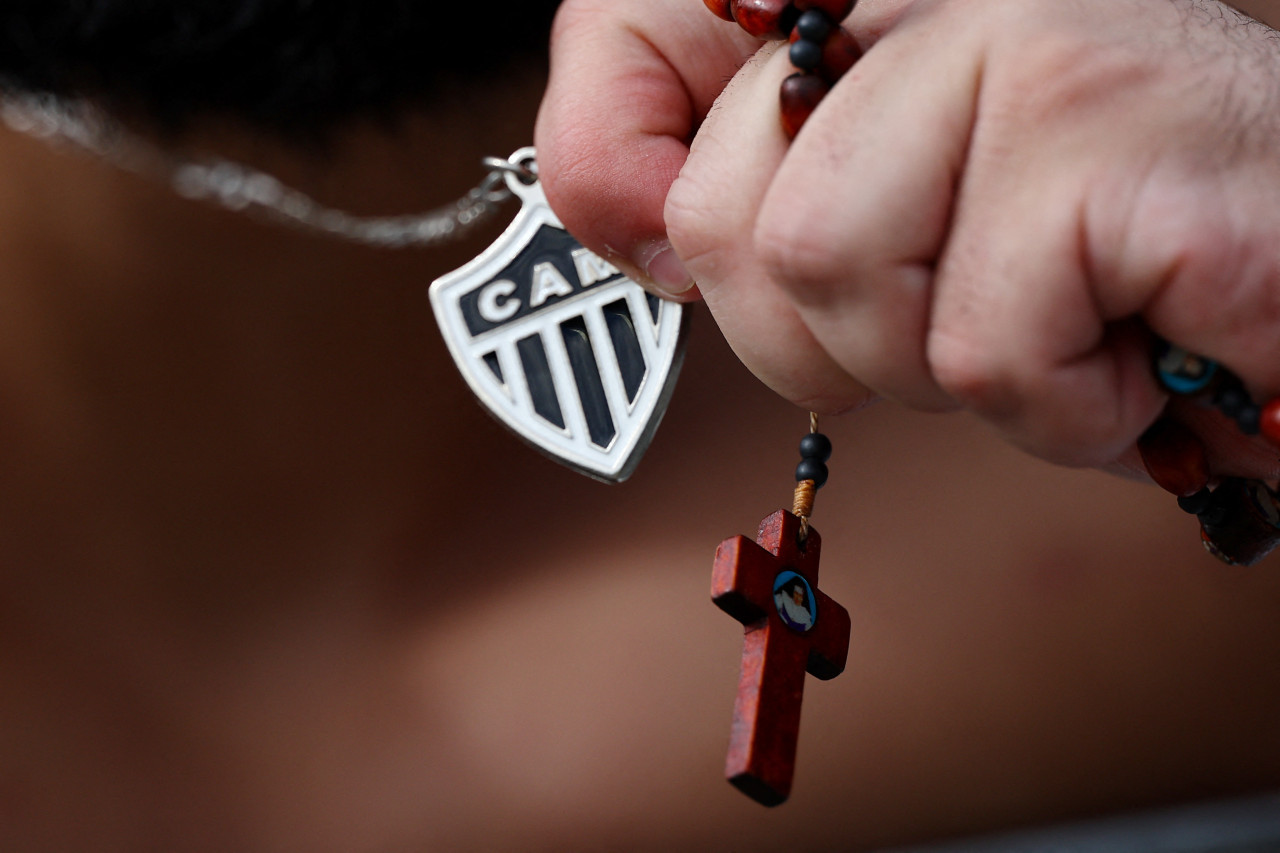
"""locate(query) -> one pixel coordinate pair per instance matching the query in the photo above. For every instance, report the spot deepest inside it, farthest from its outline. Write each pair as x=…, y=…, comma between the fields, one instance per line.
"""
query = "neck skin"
x=182, y=378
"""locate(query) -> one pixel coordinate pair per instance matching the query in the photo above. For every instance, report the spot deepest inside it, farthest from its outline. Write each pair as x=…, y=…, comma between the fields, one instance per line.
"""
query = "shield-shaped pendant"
x=558, y=344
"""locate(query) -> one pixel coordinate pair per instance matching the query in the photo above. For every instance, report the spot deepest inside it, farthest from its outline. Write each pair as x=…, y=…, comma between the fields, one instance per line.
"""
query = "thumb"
x=620, y=107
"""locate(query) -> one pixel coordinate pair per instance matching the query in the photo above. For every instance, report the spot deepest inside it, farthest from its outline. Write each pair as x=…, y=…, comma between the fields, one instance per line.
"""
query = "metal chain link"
x=241, y=188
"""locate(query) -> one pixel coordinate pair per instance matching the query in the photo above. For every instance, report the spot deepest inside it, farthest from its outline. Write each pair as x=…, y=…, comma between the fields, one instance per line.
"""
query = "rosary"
x=561, y=347
x=1239, y=518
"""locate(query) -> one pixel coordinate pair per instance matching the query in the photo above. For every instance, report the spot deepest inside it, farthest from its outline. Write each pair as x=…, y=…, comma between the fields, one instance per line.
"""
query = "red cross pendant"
x=771, y=587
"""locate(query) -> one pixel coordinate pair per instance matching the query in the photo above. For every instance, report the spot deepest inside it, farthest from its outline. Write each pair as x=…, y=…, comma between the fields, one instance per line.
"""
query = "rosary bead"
x=815, y=445
x=1214, y=514
x=1231, y=400
x=1249, y=418
x=1174, y=457
x=812, y=469
x=1269, y=422
x=1196, y=503
x=1183, y=372
x=800, y=95
x=806, y=55
x=766, y=19
x=722, y=8
x=837, y=10
x=1242, y=522
x=813, y=25
x=839, y=52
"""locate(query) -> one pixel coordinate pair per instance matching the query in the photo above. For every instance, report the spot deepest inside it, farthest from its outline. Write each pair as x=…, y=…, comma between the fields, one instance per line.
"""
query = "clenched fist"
x=994, y=210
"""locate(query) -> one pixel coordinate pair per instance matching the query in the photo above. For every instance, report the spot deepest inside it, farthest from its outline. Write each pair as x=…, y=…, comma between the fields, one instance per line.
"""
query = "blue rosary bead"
x=1249, y=418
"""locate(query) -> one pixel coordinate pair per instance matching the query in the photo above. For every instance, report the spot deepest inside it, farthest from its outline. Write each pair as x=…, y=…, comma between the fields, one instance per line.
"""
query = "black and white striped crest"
x=558, y=344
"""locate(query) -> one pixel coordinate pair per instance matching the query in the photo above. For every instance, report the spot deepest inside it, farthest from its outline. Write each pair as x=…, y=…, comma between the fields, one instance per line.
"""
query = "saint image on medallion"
x=1183, y=372
x=794, y=599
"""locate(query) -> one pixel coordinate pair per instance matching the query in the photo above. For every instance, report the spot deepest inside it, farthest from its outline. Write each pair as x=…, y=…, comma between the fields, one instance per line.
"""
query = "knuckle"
x=1063, y=416
x=801, y=256
x=573, y=18
x=1060, y=78
x=968, y=373
x=1209, y=276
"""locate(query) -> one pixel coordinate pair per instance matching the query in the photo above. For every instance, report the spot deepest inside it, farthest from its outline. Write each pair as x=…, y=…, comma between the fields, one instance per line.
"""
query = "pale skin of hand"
x=631, y=80
x=989, y=209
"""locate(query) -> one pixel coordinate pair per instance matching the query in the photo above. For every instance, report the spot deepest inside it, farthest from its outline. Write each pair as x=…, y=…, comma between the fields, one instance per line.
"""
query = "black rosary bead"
x=1205, y=506
x=812, y=469
x=1249, y=418
x=815, y=450
x=814, y=26
x=815, y=445
x=806, y=55
x=1234, y=402
x=1197, y=503
x=1231, y=400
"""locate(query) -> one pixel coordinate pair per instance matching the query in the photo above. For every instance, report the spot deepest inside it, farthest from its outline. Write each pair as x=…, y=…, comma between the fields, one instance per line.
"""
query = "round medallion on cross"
x=795, y=601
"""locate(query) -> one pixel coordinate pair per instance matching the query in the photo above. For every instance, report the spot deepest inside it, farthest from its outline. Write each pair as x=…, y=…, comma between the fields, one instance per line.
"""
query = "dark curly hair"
x=293, y=66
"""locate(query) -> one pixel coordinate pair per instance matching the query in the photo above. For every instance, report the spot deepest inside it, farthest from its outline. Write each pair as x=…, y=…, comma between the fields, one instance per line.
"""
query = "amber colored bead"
x=839, y=53
x=837, y=9
x=1269, y=425
x=800, y=95
x=766, y=19
x=722, y=8
x=1174, y=457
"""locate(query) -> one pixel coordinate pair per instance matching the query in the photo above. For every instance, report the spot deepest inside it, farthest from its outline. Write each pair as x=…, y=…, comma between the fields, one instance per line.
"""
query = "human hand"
x=631, y=80
x=991, y=210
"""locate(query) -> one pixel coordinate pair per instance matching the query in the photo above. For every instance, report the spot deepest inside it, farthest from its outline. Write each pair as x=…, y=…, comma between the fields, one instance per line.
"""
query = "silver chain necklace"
x=555, y=341
x=242, y=188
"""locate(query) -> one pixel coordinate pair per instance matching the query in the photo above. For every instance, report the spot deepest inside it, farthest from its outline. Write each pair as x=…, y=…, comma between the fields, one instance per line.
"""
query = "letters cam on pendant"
x=558, y=344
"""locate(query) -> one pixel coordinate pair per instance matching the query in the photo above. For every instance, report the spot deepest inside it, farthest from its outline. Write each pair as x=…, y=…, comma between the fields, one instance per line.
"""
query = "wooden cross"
x=775, y=655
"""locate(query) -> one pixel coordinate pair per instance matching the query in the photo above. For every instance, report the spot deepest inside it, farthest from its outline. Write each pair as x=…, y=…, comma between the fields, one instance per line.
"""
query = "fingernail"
x=667, y=272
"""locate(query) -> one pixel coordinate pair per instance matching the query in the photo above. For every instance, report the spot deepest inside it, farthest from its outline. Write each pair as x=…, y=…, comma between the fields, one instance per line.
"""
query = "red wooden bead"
x=839, y=53
x=766, y=19
x=1270, y=423
x=1174, y=457
x=722, y=8
x=838, y=10
x=800, y=95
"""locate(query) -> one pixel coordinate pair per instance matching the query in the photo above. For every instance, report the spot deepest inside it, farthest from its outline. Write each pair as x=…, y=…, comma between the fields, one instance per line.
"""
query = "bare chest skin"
x=1260, y=9
x=537, y=673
